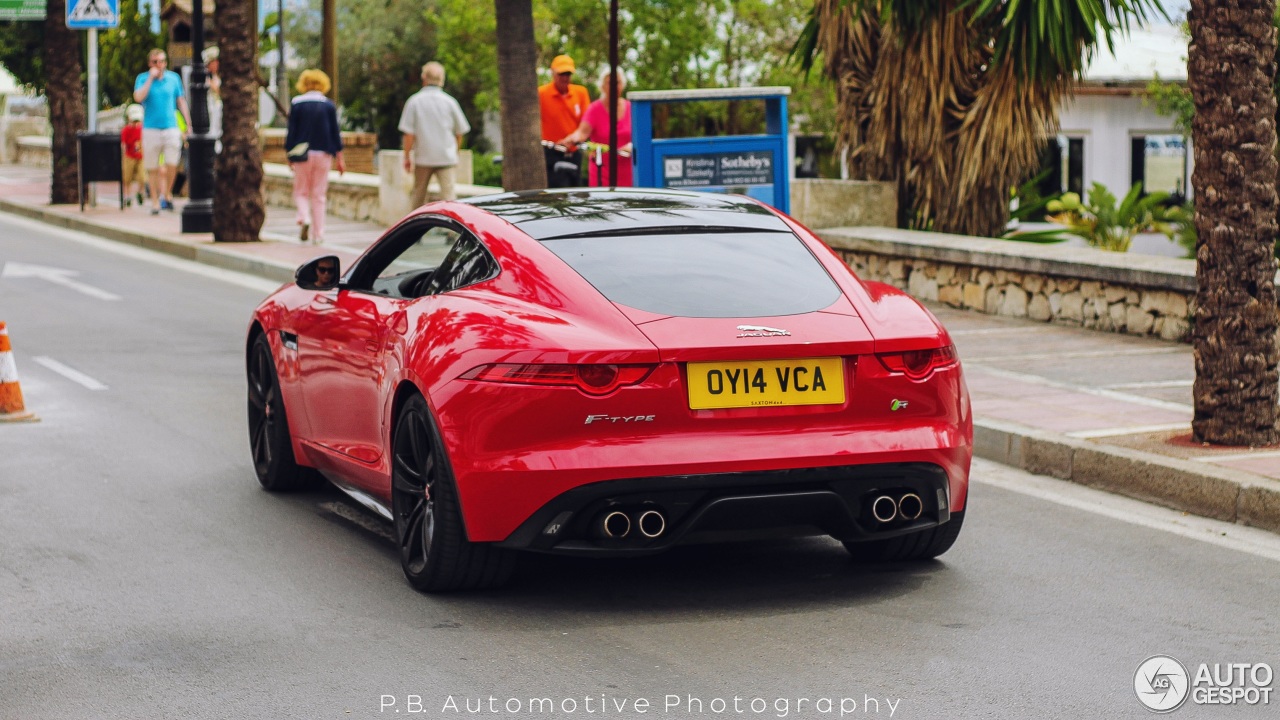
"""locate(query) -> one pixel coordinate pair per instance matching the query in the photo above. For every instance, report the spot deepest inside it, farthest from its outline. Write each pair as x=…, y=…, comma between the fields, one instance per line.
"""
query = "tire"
x=923, y=545
x=434, y=551
x=269, y=441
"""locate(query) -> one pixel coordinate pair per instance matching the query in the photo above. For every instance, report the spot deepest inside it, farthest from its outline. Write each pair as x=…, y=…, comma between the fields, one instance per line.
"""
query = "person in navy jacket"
x=314, y=145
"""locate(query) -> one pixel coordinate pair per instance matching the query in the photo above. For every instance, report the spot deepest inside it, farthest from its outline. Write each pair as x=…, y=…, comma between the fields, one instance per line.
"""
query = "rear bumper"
x=833, y=501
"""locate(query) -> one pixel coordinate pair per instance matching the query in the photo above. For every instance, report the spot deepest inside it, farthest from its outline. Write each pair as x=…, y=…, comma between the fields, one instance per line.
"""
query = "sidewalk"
x=1106, y=410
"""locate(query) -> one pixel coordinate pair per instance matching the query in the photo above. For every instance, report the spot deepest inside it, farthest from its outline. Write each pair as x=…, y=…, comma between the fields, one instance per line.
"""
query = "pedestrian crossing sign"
x=90, y=14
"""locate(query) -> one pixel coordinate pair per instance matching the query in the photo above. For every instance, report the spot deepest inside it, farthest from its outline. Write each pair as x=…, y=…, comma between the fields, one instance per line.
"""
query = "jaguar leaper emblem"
x=760, y=331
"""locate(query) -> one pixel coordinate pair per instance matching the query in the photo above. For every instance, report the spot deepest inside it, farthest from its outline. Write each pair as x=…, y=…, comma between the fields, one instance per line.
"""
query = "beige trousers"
x=422, y=175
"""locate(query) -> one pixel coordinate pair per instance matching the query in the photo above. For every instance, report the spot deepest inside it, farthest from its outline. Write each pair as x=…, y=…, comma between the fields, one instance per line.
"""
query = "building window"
x=1062, y=165
x=1159, y=163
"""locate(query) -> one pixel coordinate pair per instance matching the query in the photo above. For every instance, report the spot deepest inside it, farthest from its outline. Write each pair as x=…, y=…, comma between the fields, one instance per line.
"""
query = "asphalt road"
x=143, y=573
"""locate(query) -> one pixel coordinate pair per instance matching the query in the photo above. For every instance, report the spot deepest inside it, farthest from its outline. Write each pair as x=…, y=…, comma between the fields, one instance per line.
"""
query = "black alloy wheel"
x=269, y=442
x=434, y=551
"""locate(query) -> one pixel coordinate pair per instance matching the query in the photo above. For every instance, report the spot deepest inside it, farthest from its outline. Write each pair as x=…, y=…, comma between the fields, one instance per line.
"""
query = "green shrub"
x=1108, y=226
x=484, y=171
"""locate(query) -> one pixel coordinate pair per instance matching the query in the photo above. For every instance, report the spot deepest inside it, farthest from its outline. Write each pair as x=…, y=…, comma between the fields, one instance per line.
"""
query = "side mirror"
x=321, y=273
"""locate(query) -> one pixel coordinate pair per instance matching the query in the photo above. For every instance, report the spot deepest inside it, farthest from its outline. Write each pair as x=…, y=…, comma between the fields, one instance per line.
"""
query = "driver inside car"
x=326, y=274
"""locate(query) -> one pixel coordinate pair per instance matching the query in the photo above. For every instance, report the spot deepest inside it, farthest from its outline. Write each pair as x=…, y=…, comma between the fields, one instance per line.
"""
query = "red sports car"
x=610, y=372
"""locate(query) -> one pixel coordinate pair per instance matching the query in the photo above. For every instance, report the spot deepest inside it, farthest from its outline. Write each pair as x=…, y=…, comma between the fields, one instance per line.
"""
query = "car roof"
x=579, y=212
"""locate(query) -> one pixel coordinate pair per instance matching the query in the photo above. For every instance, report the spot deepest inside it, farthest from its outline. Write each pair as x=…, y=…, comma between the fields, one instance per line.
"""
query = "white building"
x=1109, y=132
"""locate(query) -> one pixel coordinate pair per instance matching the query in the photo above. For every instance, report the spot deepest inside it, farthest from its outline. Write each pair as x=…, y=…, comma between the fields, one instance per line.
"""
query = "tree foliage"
x=21, y=52
x=670, y=44
x=954, y=99
x=122, y=53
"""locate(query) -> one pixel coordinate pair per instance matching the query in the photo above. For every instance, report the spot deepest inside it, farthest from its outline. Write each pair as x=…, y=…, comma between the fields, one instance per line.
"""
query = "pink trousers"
x=310, y=183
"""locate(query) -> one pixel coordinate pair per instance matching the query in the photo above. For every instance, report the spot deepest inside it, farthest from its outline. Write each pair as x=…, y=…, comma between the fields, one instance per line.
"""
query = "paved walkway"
x=1102, y=409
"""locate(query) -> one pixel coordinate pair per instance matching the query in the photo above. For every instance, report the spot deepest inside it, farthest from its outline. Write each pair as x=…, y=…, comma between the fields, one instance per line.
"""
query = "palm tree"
x=1230, y=70
x=523, y=167
x=239, y=209
x=954, y=99
x=66, y=100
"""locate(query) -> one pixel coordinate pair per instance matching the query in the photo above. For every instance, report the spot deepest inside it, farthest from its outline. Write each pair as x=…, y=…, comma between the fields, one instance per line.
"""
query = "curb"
x=1188, y=486
x=221, y=258
x=1192, y=487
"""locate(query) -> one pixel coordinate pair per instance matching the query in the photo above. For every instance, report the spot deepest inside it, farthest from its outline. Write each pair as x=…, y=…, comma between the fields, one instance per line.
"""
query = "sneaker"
x=304, y=232
x=166, y=205
x=155, y=211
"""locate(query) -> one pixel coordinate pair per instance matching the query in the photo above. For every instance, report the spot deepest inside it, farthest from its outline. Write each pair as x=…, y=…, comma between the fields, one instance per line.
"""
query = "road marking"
x=1152, y=384
x=57, y=276
x=245, y=280
x=69, y=373
x=1081, y=354
x=1117, y=431
x=1135, y=512
x=1101, y=392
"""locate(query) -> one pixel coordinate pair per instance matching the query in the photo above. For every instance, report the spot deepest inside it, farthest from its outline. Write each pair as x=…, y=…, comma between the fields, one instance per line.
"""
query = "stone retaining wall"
x=357, y=149
x=354, y=196
x=1118, y=292
x=34, y=151
x=823, y=203
x=14, y=128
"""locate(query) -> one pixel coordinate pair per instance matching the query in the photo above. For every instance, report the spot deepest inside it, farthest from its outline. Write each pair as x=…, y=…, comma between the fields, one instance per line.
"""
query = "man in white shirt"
x=433, y=126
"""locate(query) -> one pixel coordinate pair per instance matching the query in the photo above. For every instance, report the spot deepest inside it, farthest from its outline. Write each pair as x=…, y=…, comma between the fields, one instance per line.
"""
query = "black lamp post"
x=197, y=216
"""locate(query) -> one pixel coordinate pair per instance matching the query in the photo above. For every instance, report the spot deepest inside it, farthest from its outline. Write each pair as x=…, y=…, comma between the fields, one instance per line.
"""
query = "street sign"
x=93, y=14
x=22, y=9
x=753, y=165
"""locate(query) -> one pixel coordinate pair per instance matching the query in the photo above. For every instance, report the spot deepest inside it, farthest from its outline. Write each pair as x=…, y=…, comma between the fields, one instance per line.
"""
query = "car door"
x=343, y=356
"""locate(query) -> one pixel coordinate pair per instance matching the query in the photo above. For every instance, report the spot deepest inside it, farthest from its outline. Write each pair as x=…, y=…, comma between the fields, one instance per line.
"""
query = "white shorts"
x=161, y=142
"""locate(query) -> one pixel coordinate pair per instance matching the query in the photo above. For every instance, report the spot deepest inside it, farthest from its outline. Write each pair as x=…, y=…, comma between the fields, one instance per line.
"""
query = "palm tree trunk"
x=523, y=167
x=1230, y=71
x=65, y=92
x=239, y=210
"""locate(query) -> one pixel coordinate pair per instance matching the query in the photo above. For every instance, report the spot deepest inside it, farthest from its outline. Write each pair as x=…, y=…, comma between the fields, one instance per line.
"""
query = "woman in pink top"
x=595, y=129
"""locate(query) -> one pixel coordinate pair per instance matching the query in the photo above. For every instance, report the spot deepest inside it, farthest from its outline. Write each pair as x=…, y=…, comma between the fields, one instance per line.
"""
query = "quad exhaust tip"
x=615, y=525
x=651, y=523
x=887, y=508
x=884, y=509
x=910, y=506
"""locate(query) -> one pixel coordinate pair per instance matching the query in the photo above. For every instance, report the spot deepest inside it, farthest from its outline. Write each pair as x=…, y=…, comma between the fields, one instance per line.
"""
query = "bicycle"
x=596, y=152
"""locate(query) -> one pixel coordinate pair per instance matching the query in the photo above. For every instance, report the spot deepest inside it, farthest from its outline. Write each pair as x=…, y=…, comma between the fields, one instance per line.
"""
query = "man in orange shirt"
x=563, y=105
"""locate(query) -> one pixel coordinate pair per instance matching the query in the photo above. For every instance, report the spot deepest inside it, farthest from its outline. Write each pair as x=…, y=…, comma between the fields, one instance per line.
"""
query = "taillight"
x=590, y=379
x=917, y=364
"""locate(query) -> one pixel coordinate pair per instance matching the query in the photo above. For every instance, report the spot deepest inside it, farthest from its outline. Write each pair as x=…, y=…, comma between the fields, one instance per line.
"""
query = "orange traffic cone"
x=11, y=408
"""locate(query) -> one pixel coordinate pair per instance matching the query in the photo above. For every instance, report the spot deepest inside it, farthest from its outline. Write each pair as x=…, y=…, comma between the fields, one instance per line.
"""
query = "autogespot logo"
x=1161, y=683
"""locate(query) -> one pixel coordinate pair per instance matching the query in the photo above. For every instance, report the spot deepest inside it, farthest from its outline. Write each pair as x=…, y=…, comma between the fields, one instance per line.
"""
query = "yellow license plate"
x=762, y=383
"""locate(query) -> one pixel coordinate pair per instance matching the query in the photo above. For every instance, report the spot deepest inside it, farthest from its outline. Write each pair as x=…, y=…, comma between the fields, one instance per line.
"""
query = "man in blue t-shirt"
x=160, y=93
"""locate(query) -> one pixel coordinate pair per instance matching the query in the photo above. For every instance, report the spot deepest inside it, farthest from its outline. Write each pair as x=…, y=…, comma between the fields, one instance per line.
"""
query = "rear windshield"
x=714, y=275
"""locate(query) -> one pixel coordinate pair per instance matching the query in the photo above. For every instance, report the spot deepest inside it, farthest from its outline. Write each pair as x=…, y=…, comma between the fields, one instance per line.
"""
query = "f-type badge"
x=760, y=331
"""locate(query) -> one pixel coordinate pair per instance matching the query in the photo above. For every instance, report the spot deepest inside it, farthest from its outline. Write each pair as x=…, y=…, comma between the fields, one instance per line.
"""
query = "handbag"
x=298, y=153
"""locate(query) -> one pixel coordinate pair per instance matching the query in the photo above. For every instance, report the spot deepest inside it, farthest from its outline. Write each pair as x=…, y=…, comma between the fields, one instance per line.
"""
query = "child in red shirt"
x=131, y=170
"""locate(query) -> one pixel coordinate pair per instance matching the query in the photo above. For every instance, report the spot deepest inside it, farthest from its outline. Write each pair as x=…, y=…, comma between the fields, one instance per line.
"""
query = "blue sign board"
x=93, y=14
x=753, y=165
